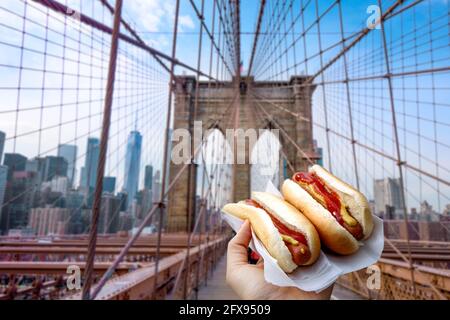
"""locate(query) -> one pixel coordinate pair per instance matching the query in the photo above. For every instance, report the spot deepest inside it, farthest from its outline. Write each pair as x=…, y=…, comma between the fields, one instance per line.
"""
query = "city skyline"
x=47, y=181
x=50, y=164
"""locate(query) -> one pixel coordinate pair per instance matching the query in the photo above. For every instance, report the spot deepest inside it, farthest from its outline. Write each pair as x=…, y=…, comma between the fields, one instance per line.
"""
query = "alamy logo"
x=74, y=14
x=373, y=21
x=242, y=145
x=74, y=279
x=374, y=280
x=74, y=19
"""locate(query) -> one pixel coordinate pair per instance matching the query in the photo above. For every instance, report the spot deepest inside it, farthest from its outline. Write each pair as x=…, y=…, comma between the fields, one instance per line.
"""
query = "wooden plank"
x=217, y=288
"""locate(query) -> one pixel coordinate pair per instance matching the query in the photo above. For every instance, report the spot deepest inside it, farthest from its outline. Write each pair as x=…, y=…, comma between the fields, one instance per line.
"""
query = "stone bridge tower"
x=213, y=101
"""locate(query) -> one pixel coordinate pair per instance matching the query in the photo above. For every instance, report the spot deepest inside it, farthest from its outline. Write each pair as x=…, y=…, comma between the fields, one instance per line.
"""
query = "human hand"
x=247, y=280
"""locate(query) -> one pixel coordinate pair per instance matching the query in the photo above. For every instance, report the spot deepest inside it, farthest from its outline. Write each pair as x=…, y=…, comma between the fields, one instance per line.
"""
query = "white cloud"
x=150, y=15
x=186, y=22
x=156, y=16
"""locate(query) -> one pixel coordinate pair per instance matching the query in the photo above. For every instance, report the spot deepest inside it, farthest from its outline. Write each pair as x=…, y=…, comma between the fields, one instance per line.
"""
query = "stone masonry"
x=215, y=100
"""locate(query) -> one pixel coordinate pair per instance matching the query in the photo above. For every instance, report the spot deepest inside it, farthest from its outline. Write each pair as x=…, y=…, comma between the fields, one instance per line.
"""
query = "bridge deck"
x=217, y=288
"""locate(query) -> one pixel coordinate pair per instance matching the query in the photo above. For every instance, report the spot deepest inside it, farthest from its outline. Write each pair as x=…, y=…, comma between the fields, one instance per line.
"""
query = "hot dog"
x=287, y=235
x=340, y=213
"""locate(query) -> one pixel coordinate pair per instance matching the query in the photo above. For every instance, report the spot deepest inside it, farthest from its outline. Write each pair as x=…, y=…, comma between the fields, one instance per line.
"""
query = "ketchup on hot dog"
x=300, y=252
x=331, y=200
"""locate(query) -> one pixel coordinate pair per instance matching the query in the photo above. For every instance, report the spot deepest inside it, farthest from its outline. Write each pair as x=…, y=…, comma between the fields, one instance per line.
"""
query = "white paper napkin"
x=326, y=269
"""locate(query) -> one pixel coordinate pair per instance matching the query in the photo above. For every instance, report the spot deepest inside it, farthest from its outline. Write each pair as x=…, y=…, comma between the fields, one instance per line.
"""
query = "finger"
x=237, y=247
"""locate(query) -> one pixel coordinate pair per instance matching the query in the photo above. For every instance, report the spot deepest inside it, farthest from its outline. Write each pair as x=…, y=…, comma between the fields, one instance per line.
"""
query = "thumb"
x=237, y=247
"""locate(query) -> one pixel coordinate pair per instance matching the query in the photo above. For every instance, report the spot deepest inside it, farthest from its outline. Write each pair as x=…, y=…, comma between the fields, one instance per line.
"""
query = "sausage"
x=300, y=253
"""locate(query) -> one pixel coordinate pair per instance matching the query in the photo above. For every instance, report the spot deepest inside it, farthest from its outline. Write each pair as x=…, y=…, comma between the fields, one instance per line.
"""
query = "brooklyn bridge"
x=119, y=144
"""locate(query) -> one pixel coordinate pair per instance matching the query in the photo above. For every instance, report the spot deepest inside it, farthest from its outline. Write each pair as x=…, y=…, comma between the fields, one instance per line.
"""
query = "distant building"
x=20, y=196
x=446, y=211
x=445, y=216
x=123, y=200
x=89, y=171
x=55, y=167
x=36, y=165
x=388, y=197
x=46, y=197
x=146, y=202
x=427, y=213
x=109, y=184
x=132, y=166
x=69, y=152
x=148, y=177
x=46, y=221
x=157, y=186
x=372, y=206
x=20, y=232
x=15, y=162
x=319, y=153
x=413, y=215
x=74, y=199
x=75, y=203
x=109, y=214
x=134, y=209
x=3, y=180
x=60, y=185
x=83, y=178
x=426, y=208
x=2, y=144
x=125, y=221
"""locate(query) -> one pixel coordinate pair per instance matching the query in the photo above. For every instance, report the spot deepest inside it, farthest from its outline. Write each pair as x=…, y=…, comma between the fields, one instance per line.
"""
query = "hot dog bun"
x=268, y=234
x=331, y=232
x=352, y=198
x=292, y=218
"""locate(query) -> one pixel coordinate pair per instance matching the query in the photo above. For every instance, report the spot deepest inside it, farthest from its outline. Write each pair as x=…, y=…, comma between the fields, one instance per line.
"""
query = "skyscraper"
x=109, y=184
x=55, y=167
x=156, y=186
x=20, y=197
x=15, y=162
x=109, y=214
x=83, y=182
x=132, y=165
x=387, y=193
x=148, y=177
x=2, y=144
x=3, y=178
x=89, y=171
x=69, y=152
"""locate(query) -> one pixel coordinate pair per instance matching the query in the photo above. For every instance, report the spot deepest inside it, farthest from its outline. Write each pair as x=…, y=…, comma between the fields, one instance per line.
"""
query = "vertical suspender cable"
x=352, y=133
x=397, y=146
x=166, y=142
x=88, y=274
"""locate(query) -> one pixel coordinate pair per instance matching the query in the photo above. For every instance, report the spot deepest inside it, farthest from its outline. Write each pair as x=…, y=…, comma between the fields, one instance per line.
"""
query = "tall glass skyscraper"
x=89, y=171
x=3, y=177
x=148, y=177
x=132, y=165
x=2, y=144
x=109, y=184
x=69, y=152
x=15, y=162
x=55, y=167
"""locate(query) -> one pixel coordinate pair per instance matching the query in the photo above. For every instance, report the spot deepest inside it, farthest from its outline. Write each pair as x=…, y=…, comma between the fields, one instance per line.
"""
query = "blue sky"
x=142, y=85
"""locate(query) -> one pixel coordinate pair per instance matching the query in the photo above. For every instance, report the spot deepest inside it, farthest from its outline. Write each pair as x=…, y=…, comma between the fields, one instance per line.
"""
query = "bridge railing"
x=431, y=283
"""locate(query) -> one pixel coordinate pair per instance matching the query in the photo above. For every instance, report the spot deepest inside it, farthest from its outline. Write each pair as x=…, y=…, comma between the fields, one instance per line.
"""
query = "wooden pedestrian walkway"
x=217, y=288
